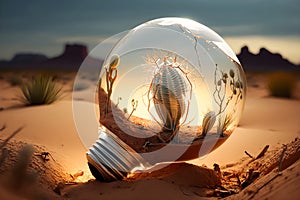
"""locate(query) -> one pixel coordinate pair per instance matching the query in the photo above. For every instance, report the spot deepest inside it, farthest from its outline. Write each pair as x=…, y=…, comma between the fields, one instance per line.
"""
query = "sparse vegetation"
x=42, y=89
x=208, y=122
x=223, y=82
x=15, y=80
x=134, y=104
x=111, y=75
x=232, y=82
x=281, y=84
x=118, y=101
x=224, y=123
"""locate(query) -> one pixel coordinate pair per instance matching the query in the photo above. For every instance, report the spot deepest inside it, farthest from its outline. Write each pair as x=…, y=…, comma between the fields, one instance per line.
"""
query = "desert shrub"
x=224, y=123
x=281, y=84
x=78, y=86
x=15, y=80
x=42, y=89
x=208, y=122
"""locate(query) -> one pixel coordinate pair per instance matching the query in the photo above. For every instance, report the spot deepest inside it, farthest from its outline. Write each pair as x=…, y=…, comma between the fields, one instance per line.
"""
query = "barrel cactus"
x=169, y=89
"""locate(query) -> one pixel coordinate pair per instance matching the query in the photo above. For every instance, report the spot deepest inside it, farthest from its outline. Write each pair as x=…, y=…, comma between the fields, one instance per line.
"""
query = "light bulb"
x=170, y=89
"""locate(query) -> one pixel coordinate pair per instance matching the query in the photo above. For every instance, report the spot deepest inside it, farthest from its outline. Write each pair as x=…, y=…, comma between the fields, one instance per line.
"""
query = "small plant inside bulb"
x=169, y=90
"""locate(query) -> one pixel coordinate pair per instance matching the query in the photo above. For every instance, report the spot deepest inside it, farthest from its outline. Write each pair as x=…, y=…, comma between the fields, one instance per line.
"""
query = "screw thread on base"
x=111, y=159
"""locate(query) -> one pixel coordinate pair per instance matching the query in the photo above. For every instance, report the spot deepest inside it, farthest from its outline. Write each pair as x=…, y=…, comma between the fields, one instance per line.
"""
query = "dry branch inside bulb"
x=111, y=75
x=134, y=104
x=235, y=85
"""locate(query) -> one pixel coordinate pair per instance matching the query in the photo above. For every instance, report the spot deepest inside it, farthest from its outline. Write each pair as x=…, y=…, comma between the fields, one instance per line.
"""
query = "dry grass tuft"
x=224, y=124
x=15, y=80
x=42, y=89
x=281, y=84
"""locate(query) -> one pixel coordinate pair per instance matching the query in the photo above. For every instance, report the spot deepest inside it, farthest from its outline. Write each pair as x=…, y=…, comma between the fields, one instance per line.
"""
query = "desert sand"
x=65, y=174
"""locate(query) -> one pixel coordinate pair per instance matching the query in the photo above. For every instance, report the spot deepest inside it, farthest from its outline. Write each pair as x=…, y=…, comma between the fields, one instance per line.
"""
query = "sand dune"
x=51, y=128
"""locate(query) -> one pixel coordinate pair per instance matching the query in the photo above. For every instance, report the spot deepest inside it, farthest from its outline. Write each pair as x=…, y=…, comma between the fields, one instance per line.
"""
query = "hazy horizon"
x=44, y=27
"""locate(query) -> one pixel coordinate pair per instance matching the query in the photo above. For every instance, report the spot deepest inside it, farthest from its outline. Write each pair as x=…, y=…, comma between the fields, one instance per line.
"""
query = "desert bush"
x=224, y=123
x=42, y=89
x=281, y=84
x=208, y=122
x=15, y=80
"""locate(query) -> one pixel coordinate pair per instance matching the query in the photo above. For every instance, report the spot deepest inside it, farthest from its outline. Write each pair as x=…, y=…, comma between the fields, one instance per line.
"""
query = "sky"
x=35, y=26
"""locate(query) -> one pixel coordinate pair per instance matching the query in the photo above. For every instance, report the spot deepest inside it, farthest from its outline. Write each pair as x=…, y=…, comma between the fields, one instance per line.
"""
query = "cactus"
x=169, y=88
x=111, y=75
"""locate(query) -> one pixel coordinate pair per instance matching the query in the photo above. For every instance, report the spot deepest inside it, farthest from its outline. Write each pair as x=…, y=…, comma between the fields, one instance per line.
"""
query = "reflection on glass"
x=167, y=88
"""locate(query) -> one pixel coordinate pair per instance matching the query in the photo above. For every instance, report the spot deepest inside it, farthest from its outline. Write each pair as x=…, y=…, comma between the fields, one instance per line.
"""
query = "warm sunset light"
x=149, y=99
x=177, y=94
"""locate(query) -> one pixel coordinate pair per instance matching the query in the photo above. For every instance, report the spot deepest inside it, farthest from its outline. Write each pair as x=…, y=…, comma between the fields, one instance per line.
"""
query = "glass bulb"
x=170, y=89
